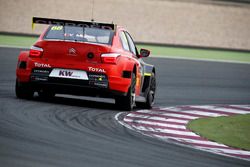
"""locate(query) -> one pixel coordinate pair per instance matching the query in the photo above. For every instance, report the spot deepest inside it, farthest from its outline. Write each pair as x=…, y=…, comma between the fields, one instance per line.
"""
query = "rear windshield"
x=80, y=34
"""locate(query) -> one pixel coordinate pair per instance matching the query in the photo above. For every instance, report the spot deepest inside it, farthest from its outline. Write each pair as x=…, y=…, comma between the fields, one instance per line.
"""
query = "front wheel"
x=23, y=91
x=127, y=102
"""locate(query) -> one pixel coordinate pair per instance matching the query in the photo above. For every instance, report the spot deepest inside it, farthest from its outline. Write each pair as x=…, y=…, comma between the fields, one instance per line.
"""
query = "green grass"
x=198, y=53
x=20, y=41
x=174, y=52
x=232, y=131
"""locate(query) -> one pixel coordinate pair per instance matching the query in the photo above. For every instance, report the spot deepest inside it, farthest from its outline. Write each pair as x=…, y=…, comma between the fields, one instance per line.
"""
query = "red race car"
x=89, y=59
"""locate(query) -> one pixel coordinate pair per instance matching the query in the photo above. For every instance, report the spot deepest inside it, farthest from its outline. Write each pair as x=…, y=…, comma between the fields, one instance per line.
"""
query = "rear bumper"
x=98, y=84
x=75, y=89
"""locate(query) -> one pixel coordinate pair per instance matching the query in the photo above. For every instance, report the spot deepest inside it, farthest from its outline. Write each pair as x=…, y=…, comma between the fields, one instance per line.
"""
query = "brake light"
x=110, y=58
x=36, y=51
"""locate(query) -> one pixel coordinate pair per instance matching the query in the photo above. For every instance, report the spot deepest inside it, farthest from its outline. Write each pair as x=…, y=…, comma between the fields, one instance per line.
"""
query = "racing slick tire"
x=150, y=95
x=127, y=102
x=23, y=91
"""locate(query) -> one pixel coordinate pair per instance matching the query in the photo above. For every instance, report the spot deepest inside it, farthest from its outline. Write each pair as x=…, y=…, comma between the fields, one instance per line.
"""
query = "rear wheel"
x=150, y=98
x=127, y=102
x=23, y=90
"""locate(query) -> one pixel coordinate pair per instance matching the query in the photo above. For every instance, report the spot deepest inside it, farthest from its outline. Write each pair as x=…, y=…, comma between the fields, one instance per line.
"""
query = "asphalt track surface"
x=81, y=132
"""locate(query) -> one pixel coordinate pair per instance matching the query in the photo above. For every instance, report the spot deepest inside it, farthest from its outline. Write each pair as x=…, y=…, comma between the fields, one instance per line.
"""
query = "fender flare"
x=23, y=56
x=148, y=70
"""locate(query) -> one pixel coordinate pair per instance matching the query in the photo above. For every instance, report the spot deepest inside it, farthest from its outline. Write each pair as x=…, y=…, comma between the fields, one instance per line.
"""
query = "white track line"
x=155, y=123
x=167, y=114
x=229, y=151
x=242, y=106
x=234, y=111
x=202, y=113
x=192, y=141
x=157, y=118
x=166, y=121
x=177, y=120
x=174, y=127
x=161, y=130
x=199, y=59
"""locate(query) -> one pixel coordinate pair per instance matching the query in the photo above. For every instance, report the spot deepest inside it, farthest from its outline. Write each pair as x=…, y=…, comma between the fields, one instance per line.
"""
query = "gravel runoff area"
x=200, y=23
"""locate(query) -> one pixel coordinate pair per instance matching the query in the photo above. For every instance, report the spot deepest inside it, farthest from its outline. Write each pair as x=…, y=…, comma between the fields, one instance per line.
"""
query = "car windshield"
x=79, y=34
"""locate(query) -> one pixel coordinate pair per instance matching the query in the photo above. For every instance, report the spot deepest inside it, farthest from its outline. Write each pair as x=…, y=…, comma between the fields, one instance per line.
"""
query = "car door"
x=133, y=50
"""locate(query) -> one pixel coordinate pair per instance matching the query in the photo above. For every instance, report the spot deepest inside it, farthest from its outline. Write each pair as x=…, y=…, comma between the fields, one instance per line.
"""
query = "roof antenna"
x=92, y=16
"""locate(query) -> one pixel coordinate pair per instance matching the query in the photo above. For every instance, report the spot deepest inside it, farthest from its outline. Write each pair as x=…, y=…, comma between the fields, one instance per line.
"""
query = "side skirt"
x=141, y=99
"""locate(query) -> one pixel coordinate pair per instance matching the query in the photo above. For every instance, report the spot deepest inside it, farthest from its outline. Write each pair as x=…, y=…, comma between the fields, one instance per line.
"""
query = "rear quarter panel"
x=23, y=74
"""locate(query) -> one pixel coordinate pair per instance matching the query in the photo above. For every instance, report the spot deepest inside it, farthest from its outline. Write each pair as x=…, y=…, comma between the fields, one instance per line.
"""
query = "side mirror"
x=144, y=53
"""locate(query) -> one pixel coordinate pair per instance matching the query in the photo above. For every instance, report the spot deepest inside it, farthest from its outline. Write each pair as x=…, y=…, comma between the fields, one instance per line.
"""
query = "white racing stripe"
x=155, y=123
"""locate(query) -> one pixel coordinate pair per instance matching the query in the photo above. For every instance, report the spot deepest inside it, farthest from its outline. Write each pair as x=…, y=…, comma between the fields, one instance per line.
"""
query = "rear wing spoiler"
x=60, y=22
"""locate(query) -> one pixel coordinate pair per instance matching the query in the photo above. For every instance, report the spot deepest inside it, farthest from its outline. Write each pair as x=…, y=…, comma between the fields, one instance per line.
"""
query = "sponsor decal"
x=42, y=65
x=92, y=69
x=39, y=78
x=70, y=74
x=65, y=73
x=41, y=71
x=103, y=85
x=57, y=28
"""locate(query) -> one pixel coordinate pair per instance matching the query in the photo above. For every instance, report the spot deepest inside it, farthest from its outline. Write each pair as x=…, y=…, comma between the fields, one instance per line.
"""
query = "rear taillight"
x=36, y=51
x=110, y=58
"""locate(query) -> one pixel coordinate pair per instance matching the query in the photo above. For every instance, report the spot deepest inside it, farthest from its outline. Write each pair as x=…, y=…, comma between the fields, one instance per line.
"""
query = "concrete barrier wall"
x=198, y=23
